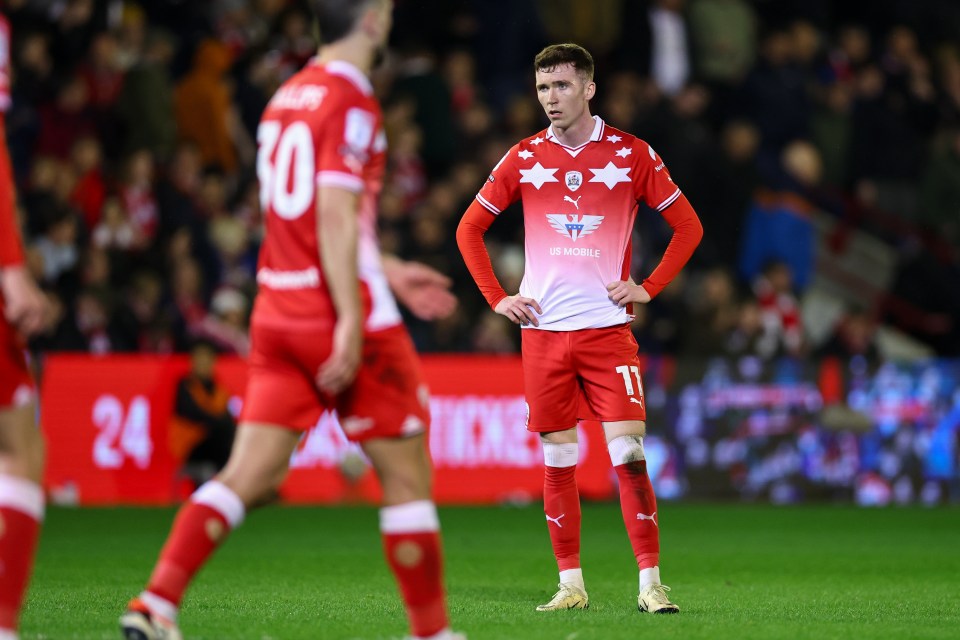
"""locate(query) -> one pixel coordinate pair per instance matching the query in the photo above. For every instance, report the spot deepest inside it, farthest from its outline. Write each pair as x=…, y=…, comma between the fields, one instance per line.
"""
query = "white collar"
x=594, y=137
x=351, y=73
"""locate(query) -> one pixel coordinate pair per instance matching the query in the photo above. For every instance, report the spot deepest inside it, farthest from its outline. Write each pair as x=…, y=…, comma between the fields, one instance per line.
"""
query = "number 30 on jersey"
x=286, y=168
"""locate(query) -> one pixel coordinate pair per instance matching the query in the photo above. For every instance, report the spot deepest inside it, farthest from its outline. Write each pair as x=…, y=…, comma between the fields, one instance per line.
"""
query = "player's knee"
x=407, y=485
x=626, y=449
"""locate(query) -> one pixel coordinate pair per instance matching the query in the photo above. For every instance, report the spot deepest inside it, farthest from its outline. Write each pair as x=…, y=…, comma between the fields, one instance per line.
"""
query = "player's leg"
x=259, y=461
x=387, y=411
x=552, y=398
x=610, y=368
x=561, y=506
x=639, y=506
x=257, y=466
x=410, y=530
x=21, y=506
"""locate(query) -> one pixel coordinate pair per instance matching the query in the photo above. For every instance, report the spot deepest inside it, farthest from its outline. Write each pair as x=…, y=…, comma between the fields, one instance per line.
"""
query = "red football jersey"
x=579, y=206
x=322, y=128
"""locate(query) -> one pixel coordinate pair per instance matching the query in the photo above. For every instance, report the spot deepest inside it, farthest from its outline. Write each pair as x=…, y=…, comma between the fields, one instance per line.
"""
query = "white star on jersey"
x=538, y=174
x=624, y=152
x=614, y=138
x=610, y=175
x=536, y=141
x=526, y=155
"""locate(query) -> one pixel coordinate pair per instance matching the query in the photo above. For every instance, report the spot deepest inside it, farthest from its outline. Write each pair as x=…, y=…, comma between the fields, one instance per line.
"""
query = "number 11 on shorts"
x=632, y=391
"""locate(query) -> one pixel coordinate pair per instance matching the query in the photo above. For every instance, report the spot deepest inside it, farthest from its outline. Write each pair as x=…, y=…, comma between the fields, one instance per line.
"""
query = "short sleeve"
x=653, y=184
x=349, y=138
x=502, y=187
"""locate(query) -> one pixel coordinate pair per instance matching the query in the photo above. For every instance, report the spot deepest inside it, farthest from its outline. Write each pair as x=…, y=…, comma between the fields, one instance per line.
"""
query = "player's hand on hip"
x=520, y=310
x=339, y=370
x=623, y=292
x=25, y=306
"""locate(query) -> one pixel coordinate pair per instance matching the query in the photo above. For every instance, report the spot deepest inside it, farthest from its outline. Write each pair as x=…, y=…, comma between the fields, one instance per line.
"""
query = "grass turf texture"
x=737, y=572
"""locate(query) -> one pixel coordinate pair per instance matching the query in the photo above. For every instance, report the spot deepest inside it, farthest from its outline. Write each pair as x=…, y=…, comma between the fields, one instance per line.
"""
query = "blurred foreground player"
x=326, y=332
x=580, y=181
x=22, y=312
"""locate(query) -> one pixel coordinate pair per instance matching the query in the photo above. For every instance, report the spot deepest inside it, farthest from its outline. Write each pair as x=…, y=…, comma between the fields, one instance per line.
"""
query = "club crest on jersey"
x=574, y=226
x=574, y=180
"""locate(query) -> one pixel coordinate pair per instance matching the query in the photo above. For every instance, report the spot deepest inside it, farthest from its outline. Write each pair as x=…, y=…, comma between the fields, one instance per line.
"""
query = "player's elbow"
x=468, y=234
x=696, y=230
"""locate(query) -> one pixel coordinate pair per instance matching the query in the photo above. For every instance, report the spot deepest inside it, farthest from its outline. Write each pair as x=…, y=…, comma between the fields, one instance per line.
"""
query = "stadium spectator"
x=854, y=335
x=145, y=105
x=778, y=227
x=89, y=192
x=779, y=312
x=724, y=35
x=204, y=113
x=662, y=44
x=202, y=427
x=940, y=190
x=576, y=310
x=340, y=344
x=66, y=119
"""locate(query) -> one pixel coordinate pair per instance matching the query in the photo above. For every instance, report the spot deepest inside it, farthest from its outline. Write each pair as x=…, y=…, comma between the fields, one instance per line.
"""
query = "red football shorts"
x=589, y=374
x=16, y=383
x=388, y=399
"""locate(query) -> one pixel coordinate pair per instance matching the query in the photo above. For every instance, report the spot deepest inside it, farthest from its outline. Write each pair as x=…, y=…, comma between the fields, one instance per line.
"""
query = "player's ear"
x=590, y=90
x=371, y=21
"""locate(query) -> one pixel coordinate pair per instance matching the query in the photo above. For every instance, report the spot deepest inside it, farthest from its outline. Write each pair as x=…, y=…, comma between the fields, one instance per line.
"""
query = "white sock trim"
x=560, y=455
x=8, y=634
x=649, y=576
x=409, y=517
x=22, y=495
x=625, y=449
x=159, y=606
x=574, y=577
x=222, y=499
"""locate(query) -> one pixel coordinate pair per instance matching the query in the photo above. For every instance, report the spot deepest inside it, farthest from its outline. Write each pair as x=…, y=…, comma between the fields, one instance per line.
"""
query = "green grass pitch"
x=737, y=571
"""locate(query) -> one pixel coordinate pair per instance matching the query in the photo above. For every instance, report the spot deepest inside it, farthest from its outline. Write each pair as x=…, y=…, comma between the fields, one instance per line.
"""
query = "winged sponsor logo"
x=574, y=226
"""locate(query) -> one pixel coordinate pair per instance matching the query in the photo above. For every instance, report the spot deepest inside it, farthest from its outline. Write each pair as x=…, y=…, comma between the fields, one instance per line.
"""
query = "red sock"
x=201, y=526
x=639, y=506
x=561, y=505
x=411, y=542
x=21, y=510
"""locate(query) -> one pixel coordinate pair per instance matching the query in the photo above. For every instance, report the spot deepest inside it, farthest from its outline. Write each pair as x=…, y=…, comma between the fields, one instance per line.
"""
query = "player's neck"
x=348, y=51
x=578, y=132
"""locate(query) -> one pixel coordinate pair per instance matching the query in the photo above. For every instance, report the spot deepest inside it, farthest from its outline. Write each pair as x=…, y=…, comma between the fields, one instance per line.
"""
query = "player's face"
x=564, y=95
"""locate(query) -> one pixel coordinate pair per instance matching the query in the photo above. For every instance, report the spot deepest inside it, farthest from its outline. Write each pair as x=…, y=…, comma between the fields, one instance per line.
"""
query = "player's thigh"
x=549, y=380
x=609, y=370
x=388, y=398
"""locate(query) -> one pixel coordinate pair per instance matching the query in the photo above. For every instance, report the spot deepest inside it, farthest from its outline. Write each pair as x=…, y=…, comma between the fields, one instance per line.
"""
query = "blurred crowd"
x=133, y=132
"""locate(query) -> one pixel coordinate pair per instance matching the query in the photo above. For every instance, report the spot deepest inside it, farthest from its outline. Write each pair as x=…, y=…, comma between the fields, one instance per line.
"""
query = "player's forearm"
x=687, y=233
x=338, y=235
x=470, y=241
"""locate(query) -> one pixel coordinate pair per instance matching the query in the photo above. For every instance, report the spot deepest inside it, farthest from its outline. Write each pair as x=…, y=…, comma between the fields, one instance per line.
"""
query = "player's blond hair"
x=557, y=55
